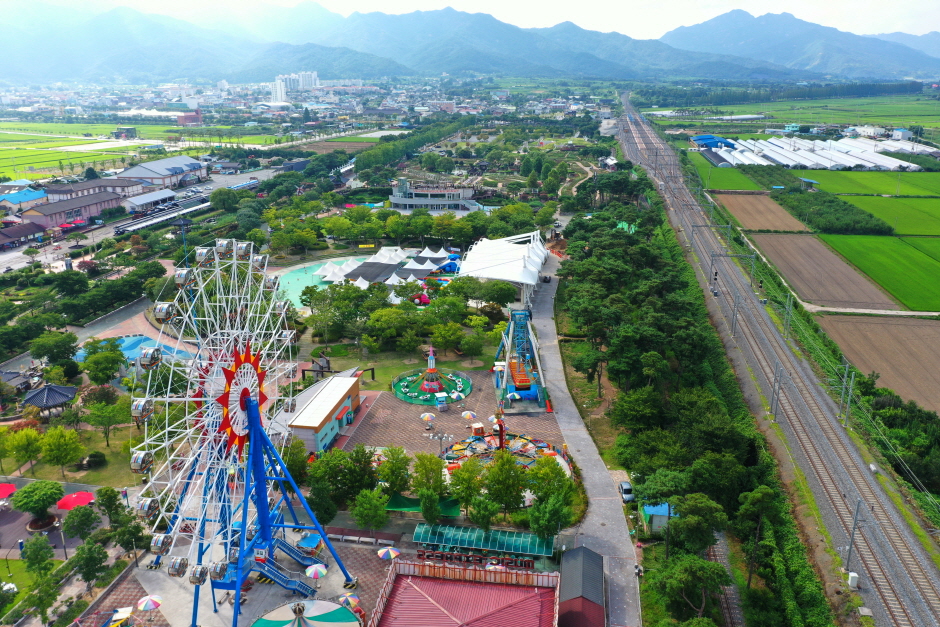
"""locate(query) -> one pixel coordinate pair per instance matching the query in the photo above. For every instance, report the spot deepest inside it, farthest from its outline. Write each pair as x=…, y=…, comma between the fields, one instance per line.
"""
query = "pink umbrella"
x=75, y=499
x=6, y=489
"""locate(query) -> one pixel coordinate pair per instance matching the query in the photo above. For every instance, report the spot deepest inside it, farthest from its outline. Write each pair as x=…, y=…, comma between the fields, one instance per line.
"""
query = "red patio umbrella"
x=74, y=500
x=65, y=226
x=6, y=489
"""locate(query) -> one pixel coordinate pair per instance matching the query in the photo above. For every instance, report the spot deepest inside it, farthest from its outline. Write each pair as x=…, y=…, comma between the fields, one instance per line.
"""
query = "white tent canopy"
x=394, y=300
x=394, y=280
x=361, y=283
x=335, y=276
x=393, y=253
x=414, y=265
x=516, y=259
x=326, y=269
x=427, y=252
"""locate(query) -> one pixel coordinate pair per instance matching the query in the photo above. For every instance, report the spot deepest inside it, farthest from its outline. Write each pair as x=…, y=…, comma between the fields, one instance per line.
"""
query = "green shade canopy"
x=516, y=542
x=317, y=613
x=397, y=503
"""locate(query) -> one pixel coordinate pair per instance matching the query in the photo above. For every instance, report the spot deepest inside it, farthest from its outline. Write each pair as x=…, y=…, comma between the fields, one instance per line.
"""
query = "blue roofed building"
x=655, y=516
x=24, y=199
x=711, y=141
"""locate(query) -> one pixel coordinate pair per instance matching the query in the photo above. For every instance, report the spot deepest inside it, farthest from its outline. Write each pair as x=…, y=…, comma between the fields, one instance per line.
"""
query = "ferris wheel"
x=215, y=410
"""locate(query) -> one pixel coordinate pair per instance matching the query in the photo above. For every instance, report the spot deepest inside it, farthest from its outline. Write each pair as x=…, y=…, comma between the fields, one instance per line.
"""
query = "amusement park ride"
x=217, y=489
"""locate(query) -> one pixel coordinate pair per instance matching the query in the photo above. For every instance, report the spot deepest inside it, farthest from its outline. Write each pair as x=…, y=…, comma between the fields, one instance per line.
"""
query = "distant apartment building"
x=278, y=91
x=308, y=80
x=291, y=81
x=343, y=82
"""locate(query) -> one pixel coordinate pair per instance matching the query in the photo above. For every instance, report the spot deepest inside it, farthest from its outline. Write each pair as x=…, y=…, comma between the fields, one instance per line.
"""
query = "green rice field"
x=905, y=271
x=930, y=246
x=908, y=216
x=912, y=183
x=900, y=110
x=16, y=163
x=720, y=178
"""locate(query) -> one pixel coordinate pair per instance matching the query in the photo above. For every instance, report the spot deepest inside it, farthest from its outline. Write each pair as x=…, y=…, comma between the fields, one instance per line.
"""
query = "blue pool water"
x=294, y=282
x=132, y=347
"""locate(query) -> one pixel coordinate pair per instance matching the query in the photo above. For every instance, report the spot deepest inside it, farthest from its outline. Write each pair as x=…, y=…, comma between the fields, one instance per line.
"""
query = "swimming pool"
x=294, y=282
x=132, y=347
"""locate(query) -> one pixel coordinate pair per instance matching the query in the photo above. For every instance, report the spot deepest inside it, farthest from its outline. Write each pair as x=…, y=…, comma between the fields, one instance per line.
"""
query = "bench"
x=386, y=542
x=365, y=540
x=350, y=538
x=334, y=536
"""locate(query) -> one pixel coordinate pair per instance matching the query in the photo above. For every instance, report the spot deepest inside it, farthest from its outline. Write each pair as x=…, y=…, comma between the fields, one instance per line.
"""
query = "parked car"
x=120, y=231
x=7, y=269
x=626, y=492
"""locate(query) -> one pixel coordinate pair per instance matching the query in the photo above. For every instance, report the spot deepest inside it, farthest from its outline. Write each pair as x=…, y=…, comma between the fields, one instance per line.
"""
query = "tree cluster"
x=686, y=434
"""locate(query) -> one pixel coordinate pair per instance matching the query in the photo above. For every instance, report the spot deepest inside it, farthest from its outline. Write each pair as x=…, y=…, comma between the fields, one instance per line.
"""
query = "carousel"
x=433, y=385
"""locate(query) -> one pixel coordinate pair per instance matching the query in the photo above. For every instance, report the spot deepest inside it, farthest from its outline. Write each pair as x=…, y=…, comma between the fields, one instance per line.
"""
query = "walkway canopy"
x=398, y=503
x=516, y=259
x=515, y=542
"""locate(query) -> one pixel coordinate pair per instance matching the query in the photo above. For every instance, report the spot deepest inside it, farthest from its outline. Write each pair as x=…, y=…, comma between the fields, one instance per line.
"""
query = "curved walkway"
x=604, y=528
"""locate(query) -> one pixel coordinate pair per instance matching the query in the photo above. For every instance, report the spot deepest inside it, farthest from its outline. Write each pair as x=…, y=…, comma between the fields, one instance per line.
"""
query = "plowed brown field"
x=322, y=148
x=760, y=213
x=904, y=351
x=819, y=275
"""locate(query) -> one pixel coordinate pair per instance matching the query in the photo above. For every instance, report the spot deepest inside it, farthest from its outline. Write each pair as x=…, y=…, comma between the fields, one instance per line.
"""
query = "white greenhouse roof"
x=516, y=259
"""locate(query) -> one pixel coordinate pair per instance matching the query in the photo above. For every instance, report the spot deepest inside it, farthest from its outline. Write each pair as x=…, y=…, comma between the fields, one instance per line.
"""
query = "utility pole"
x=848, y=558
x=845, y=382
x=787, y=315
x=848, y=400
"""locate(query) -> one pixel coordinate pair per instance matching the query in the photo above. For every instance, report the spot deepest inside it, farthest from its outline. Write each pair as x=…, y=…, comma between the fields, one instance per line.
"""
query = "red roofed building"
x=419, y=595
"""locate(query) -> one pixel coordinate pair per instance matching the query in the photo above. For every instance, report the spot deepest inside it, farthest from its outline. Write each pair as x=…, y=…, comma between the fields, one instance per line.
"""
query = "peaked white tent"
x=335, y=276
x=424, y=267
x=393, y=253
x=326, y=269
x=427, y=252
x=516, y=259
x=361, y=283
x=394, y=300
x=394, y=280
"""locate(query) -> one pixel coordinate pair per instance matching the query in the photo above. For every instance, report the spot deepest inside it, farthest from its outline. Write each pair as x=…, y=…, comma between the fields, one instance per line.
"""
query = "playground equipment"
x=517, y=368
x=212, y=466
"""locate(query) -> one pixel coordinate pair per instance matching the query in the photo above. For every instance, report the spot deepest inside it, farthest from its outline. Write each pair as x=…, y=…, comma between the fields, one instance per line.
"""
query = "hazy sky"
x=645, y=19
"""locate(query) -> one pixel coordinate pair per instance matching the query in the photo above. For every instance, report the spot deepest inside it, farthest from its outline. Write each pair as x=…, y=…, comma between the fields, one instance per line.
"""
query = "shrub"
x=69, y=616
x=101, y=536
x=111, y=574
x=97, y=459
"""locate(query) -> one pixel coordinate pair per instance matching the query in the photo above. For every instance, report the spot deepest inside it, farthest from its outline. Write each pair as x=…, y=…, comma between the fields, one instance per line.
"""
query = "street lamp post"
x=62, y=535
x=441, y=438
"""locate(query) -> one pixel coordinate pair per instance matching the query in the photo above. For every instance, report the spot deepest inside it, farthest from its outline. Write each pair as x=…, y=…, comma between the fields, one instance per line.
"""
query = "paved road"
x=604, y=528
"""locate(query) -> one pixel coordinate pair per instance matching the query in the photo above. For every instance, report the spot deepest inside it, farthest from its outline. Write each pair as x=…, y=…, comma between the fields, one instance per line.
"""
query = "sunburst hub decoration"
x=245, y=378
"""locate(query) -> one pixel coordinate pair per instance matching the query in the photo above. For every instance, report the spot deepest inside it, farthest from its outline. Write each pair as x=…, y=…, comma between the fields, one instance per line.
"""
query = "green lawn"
x=906, y=272
x=930, y=246
x=912, y=183
x=389, y=365
x=720, y=178
x=22, y=579
x=116, y=473
x=908, y=216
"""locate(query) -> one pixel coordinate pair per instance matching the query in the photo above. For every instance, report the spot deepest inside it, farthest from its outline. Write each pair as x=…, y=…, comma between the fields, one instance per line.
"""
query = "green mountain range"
x=782, y=39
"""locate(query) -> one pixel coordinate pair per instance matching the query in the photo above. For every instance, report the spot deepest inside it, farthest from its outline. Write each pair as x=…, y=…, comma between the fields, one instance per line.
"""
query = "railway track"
x=898, y=580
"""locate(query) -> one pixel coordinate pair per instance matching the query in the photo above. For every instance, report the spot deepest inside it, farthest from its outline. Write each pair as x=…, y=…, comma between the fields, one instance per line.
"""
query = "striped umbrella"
x=428, y=417
x=495, y=567
x=458, y=396
x=388, y=552
x=317, y=571
x=469, y=415
x=514, y=396
x=499, y=368
x=149, y=602
x=492, y=418
x=348, y=598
